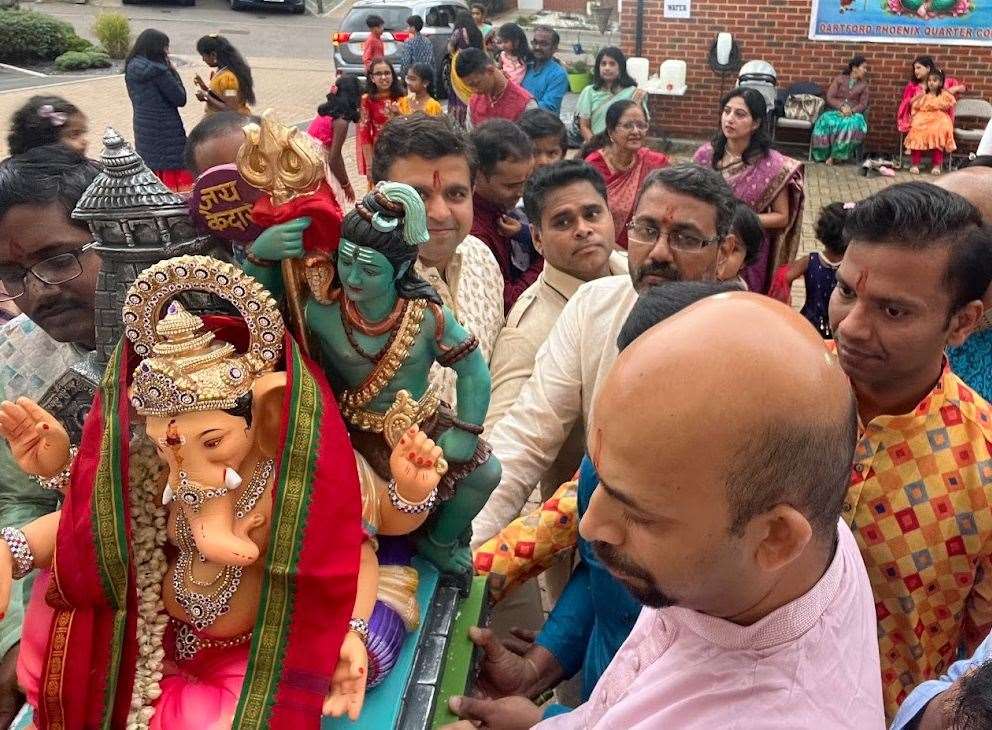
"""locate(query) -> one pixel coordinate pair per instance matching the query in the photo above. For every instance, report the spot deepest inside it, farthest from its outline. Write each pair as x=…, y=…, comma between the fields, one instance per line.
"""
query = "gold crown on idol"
x=190, y=371
x=185, y=367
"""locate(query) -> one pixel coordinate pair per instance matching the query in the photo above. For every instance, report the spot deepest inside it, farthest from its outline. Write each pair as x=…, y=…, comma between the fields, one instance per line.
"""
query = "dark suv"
x=438, y=16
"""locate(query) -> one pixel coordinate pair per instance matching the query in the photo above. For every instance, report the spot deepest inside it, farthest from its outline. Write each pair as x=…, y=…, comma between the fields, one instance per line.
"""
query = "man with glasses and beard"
x=681, y=230
x=48, y=271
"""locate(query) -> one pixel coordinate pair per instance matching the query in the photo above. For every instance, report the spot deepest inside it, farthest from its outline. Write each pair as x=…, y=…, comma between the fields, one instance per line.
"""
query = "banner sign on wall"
x=942, y=22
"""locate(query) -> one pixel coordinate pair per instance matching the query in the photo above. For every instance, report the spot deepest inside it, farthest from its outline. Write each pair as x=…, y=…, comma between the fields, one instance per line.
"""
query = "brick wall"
x=776, y=31
x=570, y=6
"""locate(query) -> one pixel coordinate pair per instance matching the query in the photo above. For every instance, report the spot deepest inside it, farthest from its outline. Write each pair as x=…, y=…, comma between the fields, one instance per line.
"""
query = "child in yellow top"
x=231, y=87
x=419, y=78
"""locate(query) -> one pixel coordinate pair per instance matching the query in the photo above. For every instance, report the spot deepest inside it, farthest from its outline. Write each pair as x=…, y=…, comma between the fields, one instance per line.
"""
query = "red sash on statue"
x=308, y=592
x=321, y=206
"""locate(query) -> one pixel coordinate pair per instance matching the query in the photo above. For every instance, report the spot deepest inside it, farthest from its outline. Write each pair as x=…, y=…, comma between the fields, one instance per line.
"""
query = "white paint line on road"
x=62, y=83
x=340, y=3
x=27, y=71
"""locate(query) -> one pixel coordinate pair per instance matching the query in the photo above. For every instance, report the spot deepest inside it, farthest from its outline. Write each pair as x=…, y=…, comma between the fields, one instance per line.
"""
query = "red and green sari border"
x=297, y=466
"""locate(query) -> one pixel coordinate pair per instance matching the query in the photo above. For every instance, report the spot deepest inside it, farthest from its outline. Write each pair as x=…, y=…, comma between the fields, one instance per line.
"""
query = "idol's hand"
x=413, y=465
x=348, y=683
x=281, y=241
x=458, y=445
x=38, y=442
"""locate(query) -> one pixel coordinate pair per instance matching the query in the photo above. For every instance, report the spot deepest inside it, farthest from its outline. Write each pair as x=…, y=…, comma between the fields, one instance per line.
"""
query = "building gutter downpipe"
x=639, y=30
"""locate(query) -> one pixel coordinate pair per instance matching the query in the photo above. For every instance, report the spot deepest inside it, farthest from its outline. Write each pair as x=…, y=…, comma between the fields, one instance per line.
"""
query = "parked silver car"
x=438, y=16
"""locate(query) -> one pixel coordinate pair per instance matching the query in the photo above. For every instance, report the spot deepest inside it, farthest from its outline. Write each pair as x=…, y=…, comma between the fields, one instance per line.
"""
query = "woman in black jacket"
x=156, y=93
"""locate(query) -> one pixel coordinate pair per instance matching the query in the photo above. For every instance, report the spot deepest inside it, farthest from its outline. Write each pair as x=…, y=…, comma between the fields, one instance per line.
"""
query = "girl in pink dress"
x=514, y=51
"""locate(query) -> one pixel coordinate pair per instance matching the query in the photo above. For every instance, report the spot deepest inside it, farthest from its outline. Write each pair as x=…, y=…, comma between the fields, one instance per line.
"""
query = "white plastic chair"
x=974, y=109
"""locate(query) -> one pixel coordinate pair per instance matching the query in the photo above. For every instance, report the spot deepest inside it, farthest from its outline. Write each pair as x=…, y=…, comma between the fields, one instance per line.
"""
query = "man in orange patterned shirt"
x=920, y=498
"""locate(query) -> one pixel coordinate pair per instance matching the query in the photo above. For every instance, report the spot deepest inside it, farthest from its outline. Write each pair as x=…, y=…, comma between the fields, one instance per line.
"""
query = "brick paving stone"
x=292, y=88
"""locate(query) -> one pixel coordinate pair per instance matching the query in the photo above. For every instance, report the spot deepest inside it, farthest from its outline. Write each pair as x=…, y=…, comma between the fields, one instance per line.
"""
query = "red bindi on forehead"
x=437, y=180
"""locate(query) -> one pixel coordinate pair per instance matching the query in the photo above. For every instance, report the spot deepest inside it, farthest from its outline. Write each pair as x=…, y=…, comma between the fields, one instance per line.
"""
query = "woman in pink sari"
x=922, y=66
x=767, y=181
x=622, y=159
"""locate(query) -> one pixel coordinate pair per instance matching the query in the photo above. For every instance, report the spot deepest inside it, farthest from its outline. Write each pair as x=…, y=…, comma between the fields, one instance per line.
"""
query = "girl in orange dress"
x=378, y=107
x=931, y=127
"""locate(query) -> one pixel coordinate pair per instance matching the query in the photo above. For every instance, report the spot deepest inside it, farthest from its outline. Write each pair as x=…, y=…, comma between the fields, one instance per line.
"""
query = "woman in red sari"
x=383, y=89
x=619, y=154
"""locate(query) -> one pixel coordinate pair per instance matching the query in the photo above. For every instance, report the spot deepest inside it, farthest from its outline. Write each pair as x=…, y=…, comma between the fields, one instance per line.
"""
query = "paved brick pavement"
x=293, y=88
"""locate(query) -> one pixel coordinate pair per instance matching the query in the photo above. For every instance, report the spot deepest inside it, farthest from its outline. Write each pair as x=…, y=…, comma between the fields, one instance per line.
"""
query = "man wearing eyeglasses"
x=48, y=271
x=680, y=231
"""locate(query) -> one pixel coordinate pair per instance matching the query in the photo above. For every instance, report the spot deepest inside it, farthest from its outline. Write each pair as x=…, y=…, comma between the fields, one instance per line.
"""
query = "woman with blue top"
x=610, y=83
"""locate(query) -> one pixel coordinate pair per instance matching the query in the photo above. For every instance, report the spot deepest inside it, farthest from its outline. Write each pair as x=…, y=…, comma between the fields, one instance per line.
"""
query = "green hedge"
x=76, y=43
x=27, y=36
x=79, y=60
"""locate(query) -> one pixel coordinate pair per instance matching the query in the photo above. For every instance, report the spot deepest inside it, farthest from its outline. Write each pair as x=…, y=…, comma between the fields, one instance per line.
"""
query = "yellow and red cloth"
x=529, y=545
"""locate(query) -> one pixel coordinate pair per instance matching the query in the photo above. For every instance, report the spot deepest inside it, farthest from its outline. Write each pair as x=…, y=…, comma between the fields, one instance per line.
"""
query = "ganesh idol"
x=213, y=564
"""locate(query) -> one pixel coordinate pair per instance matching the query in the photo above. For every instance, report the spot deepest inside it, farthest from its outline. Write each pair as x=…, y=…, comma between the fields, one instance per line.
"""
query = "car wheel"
x=299, y=9
x=237, y=5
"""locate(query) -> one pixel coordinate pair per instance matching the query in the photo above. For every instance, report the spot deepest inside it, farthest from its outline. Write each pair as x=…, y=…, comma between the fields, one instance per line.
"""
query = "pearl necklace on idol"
x=203, y=608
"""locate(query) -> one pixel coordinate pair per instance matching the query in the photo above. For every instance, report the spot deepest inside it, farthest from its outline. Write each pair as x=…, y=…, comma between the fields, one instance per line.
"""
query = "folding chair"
x=978, y=110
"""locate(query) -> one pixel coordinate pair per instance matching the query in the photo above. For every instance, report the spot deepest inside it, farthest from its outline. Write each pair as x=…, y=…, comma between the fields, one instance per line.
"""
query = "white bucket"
x=639, y=69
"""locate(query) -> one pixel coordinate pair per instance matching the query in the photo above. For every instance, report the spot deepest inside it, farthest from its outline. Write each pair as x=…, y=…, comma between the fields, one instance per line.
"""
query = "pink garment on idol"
x=202, y=695
x=34, y=639
x=812, y=663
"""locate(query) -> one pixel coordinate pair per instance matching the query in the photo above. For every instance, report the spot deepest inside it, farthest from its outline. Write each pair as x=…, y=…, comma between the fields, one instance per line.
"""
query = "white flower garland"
x=148, y=517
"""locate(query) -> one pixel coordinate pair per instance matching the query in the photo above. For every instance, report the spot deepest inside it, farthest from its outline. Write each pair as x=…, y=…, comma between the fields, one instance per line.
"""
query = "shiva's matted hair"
x=391, y=219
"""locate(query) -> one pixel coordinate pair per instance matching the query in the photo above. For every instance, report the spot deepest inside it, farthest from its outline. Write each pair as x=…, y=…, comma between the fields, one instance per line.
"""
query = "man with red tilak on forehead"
x=437, y=160
x=911, y=284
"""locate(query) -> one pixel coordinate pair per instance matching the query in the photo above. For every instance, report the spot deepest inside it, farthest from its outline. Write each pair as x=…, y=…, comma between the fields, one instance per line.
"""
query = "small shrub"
x=113, y=30
x=578, y=66
x=27, y=36
x=525, y=20
x=77, y=43
x=80, y=60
